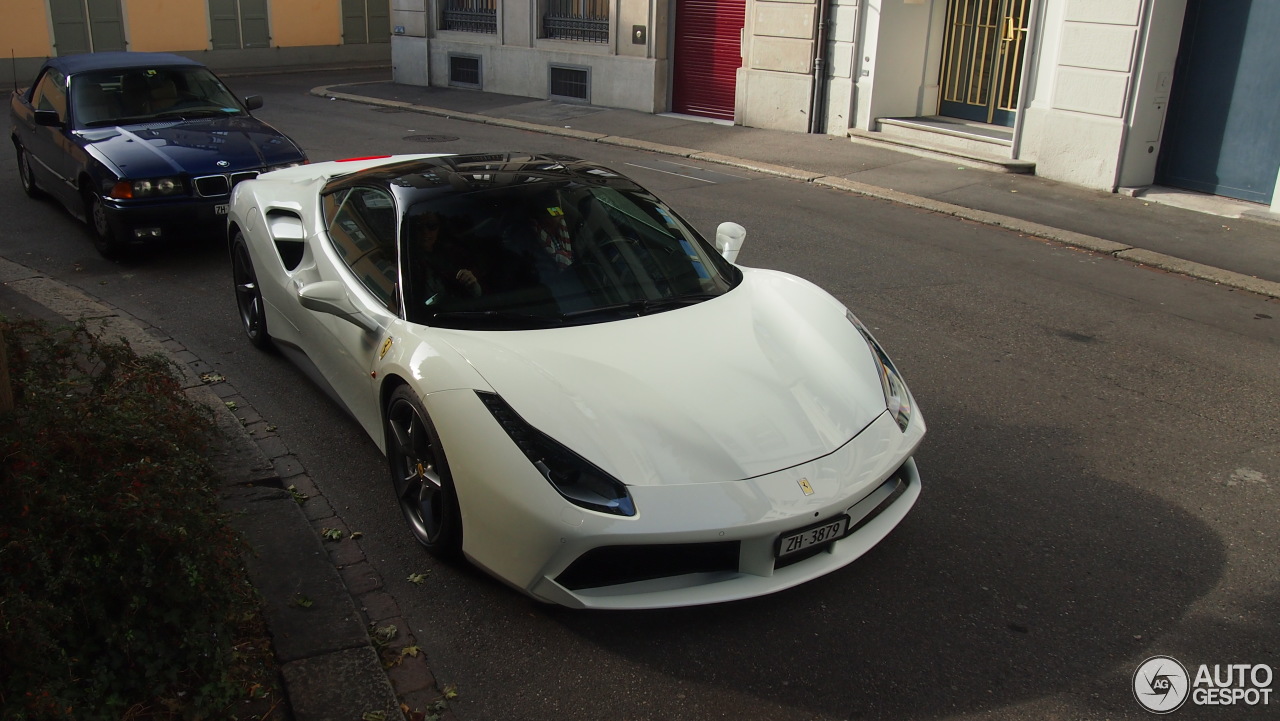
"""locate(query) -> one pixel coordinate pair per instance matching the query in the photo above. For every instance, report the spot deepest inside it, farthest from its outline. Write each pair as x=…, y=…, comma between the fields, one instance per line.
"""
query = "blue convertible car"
x=145, y=147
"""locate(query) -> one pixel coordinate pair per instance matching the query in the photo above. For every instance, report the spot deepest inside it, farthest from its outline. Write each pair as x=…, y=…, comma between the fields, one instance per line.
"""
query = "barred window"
x=472, y=16
x=585, y=20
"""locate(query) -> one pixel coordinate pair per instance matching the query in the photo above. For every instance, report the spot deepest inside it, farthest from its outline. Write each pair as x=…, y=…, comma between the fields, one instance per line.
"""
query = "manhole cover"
x=430, y=138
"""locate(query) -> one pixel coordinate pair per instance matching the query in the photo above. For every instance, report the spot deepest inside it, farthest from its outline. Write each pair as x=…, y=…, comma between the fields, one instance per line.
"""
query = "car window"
x=551, y=253
x=119, y=97
x=51, y=93
x=362, y=227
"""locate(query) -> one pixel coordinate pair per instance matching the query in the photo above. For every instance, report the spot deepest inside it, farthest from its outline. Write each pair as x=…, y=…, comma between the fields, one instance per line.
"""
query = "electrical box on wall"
x=639, y=35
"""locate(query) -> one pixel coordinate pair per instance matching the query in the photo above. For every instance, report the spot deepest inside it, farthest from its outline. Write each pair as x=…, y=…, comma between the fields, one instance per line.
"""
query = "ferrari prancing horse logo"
x=804, y=486
x=386, y=346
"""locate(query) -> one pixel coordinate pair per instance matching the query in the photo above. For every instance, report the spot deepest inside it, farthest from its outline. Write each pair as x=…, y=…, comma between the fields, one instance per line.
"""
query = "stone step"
x=947, y=139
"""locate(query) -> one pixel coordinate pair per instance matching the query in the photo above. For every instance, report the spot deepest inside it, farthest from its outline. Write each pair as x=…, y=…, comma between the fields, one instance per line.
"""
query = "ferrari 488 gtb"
x=573, y=389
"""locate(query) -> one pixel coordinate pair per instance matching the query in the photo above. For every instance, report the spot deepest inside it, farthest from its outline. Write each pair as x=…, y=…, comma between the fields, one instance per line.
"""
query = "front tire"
x=104, y=237
x=420, y=475
x=26, y=176
x=253, y=312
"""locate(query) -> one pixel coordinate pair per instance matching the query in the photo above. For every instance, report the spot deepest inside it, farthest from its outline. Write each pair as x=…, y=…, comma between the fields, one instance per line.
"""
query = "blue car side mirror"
x=48, y=118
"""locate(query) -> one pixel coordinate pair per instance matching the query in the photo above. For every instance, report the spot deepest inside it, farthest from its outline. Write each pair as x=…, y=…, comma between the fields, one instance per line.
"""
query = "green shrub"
x=122, y=590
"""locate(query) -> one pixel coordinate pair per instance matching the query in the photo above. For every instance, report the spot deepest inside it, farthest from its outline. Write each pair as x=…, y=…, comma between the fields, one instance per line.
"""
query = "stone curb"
x=317, y=594
x=1121, y=251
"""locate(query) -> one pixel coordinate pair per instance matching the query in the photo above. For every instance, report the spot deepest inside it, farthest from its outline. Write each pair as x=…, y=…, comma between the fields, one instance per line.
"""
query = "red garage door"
x=708, y=54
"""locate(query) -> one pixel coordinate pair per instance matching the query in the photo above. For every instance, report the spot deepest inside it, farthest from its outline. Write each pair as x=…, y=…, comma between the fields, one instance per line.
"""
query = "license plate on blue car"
x=222, y=208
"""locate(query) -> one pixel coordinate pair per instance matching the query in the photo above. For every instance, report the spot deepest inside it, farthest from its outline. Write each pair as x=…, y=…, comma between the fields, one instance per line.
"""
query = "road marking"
x=709, y=170
x=668, y=172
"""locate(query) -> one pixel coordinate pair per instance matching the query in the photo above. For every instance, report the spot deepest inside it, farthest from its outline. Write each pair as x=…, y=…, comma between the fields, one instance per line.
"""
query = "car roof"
x=455, y=174
x=81, y=62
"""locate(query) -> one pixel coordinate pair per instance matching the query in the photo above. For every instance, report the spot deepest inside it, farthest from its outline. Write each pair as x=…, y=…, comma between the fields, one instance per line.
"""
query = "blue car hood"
x=192, y=147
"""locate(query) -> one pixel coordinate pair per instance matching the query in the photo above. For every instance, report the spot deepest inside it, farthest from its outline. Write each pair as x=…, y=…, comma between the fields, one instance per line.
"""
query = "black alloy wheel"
x=420, y=474
x=104, y=238
x=24, y=174
x=253, y=317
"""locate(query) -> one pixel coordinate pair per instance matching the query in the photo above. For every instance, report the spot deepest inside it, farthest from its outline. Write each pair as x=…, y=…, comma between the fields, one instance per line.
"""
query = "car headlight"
x=896, y=396
x=574, y=477
x=148, y=188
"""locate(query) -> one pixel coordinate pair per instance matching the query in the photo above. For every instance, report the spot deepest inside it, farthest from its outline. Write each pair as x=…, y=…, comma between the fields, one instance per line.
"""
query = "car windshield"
x=550, y=254
x=137, y=95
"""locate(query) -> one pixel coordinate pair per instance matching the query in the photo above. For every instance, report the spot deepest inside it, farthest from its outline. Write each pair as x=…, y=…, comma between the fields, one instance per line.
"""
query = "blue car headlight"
x=148, y=188
x=896, y=396
x=574, y=477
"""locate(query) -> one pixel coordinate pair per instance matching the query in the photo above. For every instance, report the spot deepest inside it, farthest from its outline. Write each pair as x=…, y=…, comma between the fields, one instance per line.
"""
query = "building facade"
x=224, y=34
x=1106, y=94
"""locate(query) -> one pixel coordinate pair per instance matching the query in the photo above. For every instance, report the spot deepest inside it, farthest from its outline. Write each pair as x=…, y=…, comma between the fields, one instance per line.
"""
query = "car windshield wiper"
x=105, y=122
x=645, y=306
x=498, y=317
x=192, y=114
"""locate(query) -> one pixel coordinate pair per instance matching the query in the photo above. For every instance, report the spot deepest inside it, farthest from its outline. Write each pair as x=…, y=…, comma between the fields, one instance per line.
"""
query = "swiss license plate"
x=824, y=532
x=221, y=208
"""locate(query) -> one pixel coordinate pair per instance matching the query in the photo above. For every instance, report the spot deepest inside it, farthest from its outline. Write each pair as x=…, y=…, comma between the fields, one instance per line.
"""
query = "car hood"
x=765, y=377
x=193, y=147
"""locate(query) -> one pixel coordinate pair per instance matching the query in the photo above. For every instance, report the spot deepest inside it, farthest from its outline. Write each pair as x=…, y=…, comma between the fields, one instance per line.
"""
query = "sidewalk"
x=1240, y=249
x=332, y=625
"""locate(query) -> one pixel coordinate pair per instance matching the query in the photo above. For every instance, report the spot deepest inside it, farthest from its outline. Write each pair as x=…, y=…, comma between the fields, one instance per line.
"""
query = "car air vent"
x=464, y=71
x=614, y=565
x=570, y=83
x=212, y=185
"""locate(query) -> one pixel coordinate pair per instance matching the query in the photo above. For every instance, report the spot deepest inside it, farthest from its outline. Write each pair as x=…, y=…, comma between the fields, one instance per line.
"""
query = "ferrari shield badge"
x=386, y=346
x=804, y=486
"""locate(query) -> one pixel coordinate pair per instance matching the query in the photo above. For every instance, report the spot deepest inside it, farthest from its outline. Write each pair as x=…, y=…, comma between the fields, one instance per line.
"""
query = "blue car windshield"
x=138, y=95
x=552, y=253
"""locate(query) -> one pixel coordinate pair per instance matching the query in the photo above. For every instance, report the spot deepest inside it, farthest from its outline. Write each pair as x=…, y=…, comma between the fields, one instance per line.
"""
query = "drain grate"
x=430, y=138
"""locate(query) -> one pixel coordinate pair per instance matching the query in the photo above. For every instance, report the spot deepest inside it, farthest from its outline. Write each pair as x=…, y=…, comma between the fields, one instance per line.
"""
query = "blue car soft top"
x=81, y=62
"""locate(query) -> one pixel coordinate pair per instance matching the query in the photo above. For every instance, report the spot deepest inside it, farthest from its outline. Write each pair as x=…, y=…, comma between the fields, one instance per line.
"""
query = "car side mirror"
x=329, y=296
x=48, y=118
x=729, y=237
x=253, y=102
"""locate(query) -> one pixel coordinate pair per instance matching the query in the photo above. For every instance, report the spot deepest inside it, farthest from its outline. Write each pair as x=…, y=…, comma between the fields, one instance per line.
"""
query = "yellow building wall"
x=24, y=29
x=302, y=23
x=167, y=25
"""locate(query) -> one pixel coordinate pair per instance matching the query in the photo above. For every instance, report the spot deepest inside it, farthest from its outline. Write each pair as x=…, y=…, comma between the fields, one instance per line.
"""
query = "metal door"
x=708, y=53
x=1222, y=135
x=982, y=59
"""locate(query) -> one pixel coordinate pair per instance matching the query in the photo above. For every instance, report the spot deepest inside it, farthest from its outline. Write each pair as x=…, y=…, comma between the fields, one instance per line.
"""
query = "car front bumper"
x=166, y=220
x=688, y=544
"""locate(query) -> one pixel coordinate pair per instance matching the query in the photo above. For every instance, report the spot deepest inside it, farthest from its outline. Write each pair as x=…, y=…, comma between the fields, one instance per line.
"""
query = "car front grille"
x=212, y=186
x=612, y=565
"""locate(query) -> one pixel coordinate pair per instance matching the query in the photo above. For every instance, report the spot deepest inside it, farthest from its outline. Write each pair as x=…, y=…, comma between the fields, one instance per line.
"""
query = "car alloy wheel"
x=253, y=316
x=25, y=174
x=104, y=238
x=420, y=474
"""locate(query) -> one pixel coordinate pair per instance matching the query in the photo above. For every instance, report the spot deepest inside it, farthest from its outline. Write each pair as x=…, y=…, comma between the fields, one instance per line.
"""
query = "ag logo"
x=1161, y=684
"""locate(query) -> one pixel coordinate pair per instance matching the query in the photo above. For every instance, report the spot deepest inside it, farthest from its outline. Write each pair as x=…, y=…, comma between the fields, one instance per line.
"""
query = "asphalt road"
x=1100, y=474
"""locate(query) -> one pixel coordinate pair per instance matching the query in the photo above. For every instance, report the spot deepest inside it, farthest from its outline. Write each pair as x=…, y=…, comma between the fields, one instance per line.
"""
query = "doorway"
x=707, y=55
x=982, y=54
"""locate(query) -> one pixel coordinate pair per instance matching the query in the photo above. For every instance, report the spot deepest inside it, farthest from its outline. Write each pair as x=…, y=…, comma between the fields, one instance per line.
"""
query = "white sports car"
x=572, y=388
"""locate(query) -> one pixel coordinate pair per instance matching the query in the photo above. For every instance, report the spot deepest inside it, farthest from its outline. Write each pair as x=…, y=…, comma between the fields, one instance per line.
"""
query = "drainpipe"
x=819, y=61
